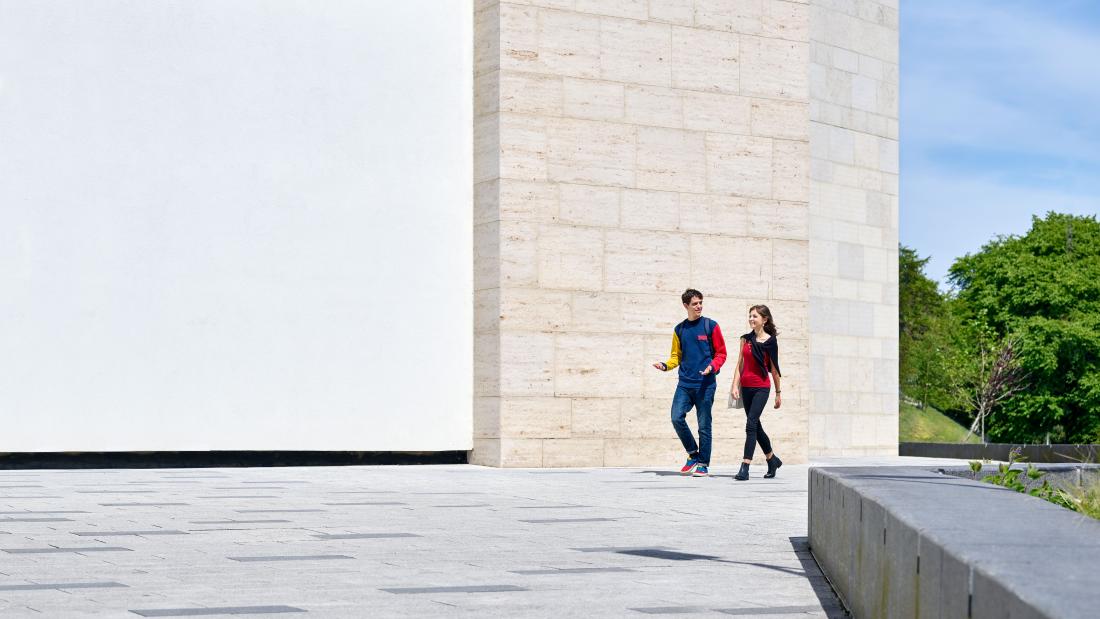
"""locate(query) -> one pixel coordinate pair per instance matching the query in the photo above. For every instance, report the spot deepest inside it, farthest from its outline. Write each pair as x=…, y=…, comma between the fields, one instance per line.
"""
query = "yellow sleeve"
x=674, y=356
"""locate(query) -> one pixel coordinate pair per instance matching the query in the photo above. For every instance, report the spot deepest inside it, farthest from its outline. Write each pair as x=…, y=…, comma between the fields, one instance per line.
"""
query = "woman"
x=759, y=357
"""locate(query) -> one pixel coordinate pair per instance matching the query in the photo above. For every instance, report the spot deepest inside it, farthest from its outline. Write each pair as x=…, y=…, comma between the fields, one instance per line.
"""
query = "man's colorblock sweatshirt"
x=693, y=349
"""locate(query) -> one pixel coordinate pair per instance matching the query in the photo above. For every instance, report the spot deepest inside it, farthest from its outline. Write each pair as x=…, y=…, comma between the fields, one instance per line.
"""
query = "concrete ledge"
x=907, y=542
x=1066, y=453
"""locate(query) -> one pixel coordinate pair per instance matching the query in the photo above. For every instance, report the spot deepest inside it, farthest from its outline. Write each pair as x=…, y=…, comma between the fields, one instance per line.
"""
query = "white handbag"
x=734, y=402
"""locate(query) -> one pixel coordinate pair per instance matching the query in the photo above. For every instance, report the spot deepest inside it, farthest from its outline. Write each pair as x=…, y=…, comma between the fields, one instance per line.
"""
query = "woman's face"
x=755, y=320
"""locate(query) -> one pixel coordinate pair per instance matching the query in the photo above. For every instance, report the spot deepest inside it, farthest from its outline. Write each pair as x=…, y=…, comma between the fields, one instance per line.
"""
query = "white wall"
x=236, y=224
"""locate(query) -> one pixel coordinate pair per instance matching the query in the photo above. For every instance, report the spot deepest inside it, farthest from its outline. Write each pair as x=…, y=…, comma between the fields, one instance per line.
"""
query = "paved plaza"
x=401, y=541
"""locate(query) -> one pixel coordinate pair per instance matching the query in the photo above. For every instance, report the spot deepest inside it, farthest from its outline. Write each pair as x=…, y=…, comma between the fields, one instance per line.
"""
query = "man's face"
x=694, y=307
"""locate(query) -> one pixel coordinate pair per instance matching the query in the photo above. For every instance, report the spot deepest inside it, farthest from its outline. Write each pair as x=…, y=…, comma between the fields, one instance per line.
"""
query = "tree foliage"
x=1040, y=291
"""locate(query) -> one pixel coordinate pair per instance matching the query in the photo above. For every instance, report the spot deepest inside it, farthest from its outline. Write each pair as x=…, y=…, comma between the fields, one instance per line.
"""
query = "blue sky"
x=1000, y=119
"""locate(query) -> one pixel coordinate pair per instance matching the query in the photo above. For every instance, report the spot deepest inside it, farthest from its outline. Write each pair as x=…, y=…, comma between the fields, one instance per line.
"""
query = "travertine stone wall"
x=853, y=227
x=625, y=150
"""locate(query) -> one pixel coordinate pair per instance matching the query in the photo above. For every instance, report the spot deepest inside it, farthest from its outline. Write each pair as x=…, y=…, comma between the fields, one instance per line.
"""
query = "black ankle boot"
x=773, y=465
x=743, y=474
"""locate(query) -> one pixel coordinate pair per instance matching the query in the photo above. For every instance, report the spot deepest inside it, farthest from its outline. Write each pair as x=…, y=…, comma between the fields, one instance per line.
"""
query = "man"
x=699, y=351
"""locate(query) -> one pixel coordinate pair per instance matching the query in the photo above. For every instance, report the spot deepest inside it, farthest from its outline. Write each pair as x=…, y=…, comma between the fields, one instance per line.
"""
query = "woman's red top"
x=751, y=373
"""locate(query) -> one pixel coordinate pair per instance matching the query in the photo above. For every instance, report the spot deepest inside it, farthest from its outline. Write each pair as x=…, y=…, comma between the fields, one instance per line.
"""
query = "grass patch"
x=1086, y=499
x=928, y=425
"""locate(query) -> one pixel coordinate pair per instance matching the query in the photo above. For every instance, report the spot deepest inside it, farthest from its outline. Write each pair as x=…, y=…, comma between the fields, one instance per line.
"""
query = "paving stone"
x=230, y=610
x=599, y=543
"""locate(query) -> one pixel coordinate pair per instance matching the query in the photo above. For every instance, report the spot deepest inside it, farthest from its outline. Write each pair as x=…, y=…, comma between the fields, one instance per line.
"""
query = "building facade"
x=626, y=150
x=253, y=226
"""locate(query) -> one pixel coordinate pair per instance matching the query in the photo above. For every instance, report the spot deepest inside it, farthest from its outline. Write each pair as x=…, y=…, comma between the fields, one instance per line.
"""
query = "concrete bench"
x=901, y=542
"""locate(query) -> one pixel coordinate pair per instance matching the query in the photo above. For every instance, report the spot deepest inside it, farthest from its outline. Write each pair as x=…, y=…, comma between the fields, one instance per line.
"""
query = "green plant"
x=1085, y=499
x=1009, y=477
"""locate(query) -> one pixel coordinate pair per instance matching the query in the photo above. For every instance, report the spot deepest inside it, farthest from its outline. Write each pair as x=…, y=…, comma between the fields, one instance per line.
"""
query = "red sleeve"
x=719, y=349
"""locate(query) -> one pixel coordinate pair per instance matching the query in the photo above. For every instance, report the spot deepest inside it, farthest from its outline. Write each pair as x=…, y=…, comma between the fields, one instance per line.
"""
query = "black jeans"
x=755, y=399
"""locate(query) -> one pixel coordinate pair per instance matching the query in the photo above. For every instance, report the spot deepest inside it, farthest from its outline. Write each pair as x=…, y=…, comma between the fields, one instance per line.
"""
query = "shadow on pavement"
x=834, y=609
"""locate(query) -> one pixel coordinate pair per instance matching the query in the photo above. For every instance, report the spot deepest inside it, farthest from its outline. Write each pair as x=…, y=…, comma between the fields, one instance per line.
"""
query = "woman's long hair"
x=766, y=314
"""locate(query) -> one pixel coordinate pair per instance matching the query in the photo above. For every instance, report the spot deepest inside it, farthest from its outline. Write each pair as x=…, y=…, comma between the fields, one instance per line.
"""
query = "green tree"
x=1040, y=291
x=922, y=354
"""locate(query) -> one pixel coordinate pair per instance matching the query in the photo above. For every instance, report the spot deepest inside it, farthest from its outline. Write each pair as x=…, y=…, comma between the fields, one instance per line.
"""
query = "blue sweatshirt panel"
x=695, y=351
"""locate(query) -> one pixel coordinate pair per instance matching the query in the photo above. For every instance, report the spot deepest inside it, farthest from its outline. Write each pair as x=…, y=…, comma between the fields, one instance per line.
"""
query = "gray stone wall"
x=625, y=151
x=853, y=91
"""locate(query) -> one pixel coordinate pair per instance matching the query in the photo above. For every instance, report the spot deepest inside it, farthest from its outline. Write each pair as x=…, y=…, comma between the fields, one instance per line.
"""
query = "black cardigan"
x=771, y=347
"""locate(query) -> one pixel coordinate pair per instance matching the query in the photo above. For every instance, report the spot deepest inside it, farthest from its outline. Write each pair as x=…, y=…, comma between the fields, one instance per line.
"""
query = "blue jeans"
x=702, y=398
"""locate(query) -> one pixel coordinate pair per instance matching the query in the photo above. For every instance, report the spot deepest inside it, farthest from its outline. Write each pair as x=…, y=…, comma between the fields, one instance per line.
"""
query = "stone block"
x=739, y=17
x=790, y=171
x=523, y=146
x=485, y=452
x=774, y=68
x=778, y=220
x=589, y=205
x=650, y=210
x=518, y=244
x=679, y=12
x=851, y=260
x=630, y=9
x=598, y=365
x=888, y=157
x=570, y=257
x=487, y=310
x=520, y=452
x=864, y=93
x=527, y=201
x=718, y=112
x=487, y=255
x=735, y=267
x=486, y=94
x=487, y=40
x=705, y=60
x=657, y=384
x=845, y=60
x=486, y=418
x=593, y=99
x=790, y=270
x=739, y=165
x=638, y=261
x=650, y=418
x=486, y=148
x=568, y=44
x=872, y=68
x=785, y=20
x=595, y=311
x=528, y=309
x=655, y=106
x=596, y=417
x=671, y=159
x=774, y=118
x=572, y=452
x=591, y=152
x=866, y=151
x=527, y=364
x=878, y=266
x=518, y=33
x=643, y=451
x=529, y=93
x=535, y=417
x=487, y=364
x=714, y=214
x=650, y=313
x=635, y=52
x=487, y=202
